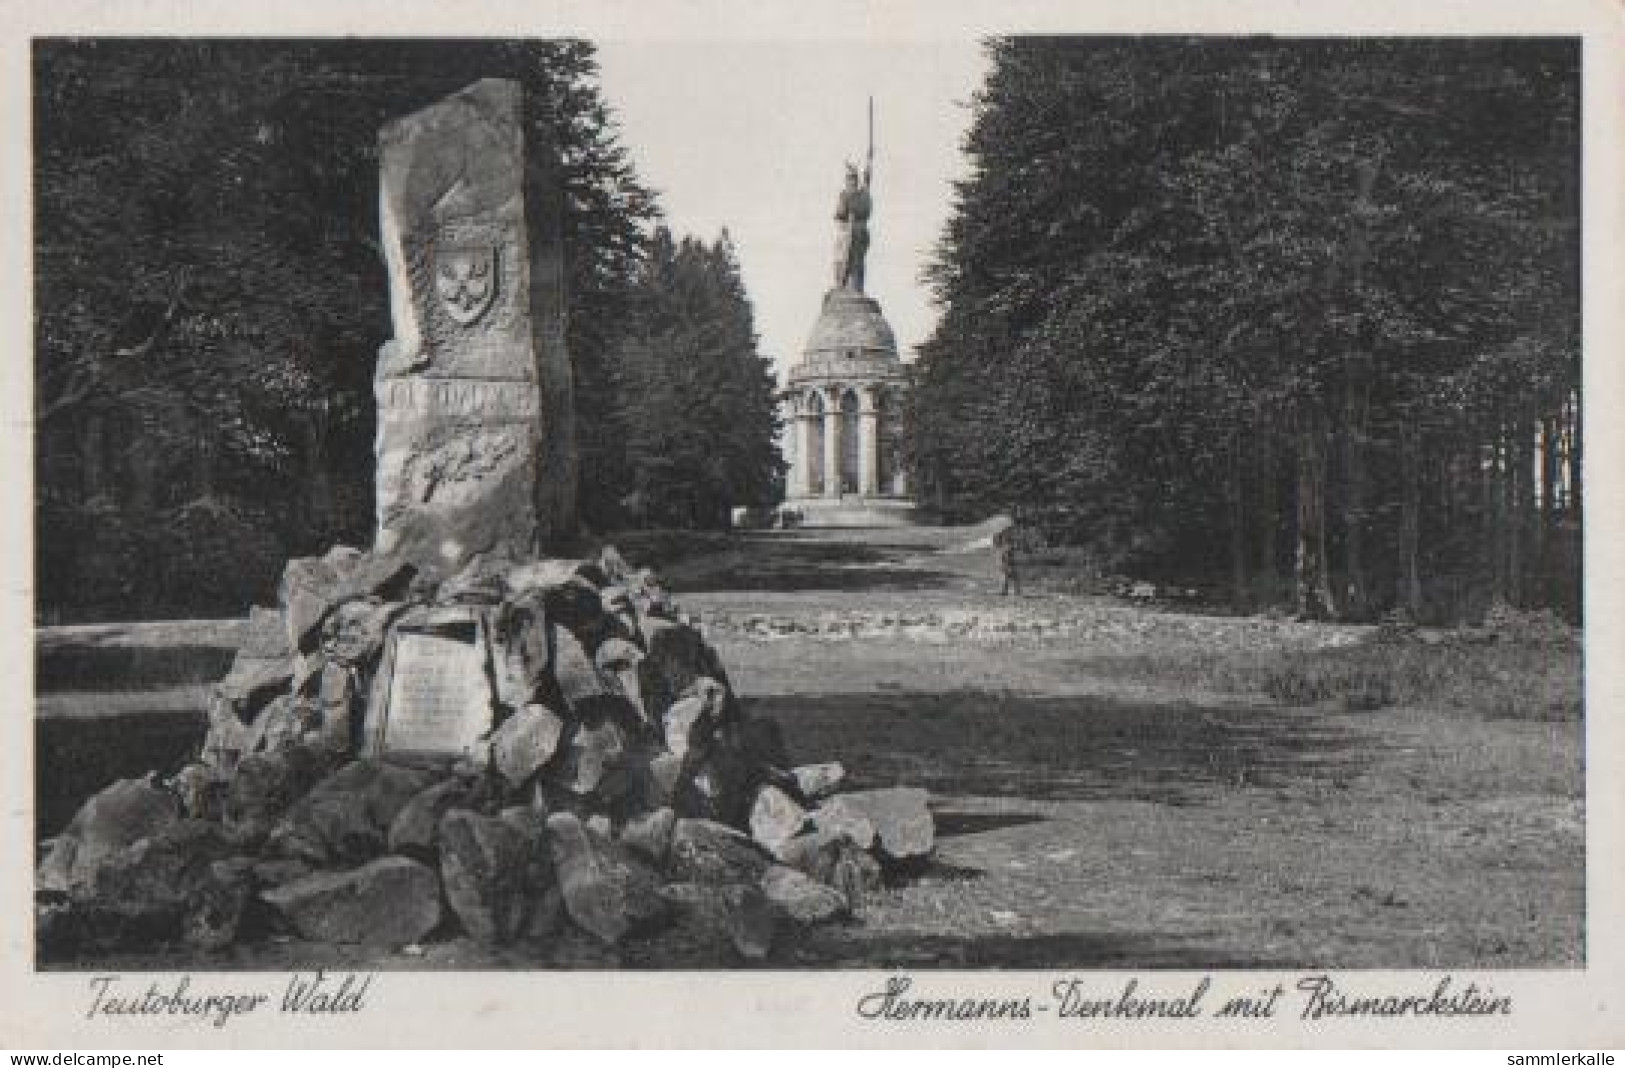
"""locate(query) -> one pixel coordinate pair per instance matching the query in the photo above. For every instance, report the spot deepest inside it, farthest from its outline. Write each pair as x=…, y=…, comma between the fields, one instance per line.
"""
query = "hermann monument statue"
x=852, y=236
x=844, y=396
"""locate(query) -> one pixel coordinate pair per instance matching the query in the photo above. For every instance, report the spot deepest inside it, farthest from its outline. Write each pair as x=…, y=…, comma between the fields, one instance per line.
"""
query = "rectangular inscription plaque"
x=438, y=695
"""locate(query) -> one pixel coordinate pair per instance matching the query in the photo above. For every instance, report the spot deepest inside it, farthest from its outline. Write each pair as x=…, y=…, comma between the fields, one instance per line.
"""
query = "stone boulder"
x=608, y=892
x=201, y=791
x=818, y=781
x=328, y=830
x=346, y=818
x=229, y=738
x=279, y=725
x=110, y=821
x=904, y=828
x=661, y=778
x=307, y=591
x=703, y=851
x=692, y=720
x=479, y=582
x=838, y=863
x=588, y=693
x=158, y=874
x=677, y=658
x=544, y=899
x=523, y=656
x=836, y=819
x=392, y=901
x=737, y=914
x=180, y=883
x=484, y=865
x=775, y=818
x=524, y=742
x=576, y=606
x=353, y=634
x=539, y=576
x=802, y=898
x=594, y=762
x=617, y=660
x=279, y=871
x=215, y=912
x=649, y=835
x=415, y=831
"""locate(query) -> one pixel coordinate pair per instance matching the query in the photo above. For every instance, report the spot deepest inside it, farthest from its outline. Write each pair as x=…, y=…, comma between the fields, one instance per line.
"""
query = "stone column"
x=868, y=445
x=832, y=448
x=801, y=474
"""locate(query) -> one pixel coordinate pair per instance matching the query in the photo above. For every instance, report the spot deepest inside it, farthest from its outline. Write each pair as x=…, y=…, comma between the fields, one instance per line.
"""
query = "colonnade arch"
x=846, y=438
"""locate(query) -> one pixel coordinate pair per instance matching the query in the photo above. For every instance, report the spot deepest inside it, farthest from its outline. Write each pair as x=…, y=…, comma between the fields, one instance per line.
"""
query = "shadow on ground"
x=807, y=563
x=1082, y=748
x=77, y=757
x=849, y=946
x=952, y=823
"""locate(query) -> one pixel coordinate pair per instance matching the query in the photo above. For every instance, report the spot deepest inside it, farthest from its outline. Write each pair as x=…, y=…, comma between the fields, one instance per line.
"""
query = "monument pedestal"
x=855, y=511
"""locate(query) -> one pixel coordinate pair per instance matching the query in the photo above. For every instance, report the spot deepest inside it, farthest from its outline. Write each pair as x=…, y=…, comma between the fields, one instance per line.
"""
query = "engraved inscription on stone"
x=439, y=702
x=497, y=399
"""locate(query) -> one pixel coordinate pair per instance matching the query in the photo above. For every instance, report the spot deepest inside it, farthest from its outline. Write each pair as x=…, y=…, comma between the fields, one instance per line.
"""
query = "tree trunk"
x=203, y=462
x=1409, y=594
x=92, y=456
x=1495, y=517
x=318, y=480
x=1269, y=521
x=1522, y=456
x=1545, y=530
x=140, y=465
x=1314, y=595
x=557, y=487
x=1356, y=407
x=1234, y=488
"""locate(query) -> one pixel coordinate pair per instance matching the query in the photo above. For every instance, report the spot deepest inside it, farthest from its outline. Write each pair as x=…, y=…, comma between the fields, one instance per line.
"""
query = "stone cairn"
x=619, y=785
x=444, y=732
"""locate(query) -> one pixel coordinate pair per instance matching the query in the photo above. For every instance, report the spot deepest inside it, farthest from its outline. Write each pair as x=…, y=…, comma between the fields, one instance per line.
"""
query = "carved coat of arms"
x=465, y=277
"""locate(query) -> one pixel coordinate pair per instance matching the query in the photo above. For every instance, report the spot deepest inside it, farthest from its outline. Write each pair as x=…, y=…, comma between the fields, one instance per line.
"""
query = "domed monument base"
x=845, y=409
x=844, y=397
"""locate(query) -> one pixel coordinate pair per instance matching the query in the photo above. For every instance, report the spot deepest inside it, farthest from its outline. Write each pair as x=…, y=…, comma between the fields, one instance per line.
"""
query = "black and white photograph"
x=881, y=508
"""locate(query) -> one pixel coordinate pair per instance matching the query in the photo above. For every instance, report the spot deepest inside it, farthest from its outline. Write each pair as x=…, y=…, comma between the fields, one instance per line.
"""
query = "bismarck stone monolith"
x=465, y=434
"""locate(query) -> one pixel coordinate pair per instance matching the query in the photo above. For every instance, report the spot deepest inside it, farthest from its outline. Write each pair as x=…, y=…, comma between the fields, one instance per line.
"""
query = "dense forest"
x=698, y=412
x=210, y=298
x=1293, y=321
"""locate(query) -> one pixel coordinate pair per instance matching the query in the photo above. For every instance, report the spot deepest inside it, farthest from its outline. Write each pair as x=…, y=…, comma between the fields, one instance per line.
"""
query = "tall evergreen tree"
x=696, y=400
x=210, y=295
x=1224, y=284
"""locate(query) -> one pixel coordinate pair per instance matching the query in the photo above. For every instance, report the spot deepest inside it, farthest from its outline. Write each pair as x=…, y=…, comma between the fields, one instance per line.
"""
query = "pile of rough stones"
x=622, y=789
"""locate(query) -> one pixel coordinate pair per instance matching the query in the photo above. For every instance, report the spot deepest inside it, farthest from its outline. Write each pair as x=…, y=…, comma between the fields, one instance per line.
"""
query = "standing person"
x=1004, y=547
